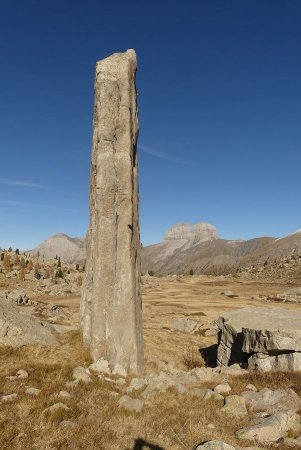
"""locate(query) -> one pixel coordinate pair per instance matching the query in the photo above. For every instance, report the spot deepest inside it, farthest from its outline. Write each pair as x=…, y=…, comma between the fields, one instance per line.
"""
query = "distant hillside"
x=215, y=256
x=69, y=249
x=188, y=247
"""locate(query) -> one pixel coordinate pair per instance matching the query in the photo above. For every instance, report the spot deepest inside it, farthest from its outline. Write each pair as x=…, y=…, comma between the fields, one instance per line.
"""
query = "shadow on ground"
x=210, y=355
x=141, y=444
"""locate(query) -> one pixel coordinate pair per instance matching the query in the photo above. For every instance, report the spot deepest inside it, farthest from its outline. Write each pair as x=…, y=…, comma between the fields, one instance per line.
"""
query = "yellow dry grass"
x=169, y=421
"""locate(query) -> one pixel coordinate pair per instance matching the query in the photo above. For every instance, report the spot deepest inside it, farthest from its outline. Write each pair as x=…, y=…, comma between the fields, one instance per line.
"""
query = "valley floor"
x=169, y=421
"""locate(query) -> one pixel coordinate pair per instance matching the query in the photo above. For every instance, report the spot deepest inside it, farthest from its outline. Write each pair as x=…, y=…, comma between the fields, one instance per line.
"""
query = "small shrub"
x=59, y=273
x=151, y=273
x=192, y=358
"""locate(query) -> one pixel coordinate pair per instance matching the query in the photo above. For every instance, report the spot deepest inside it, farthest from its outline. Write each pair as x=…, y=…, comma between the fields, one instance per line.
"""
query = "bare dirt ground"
x=169, y=421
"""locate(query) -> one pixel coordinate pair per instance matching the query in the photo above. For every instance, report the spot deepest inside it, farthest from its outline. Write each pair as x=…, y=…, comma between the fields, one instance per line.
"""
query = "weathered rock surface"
x=215, y=445
x=111, y=304
x=273, y=401
x=269, y=339
x=18, y=328
x=271, y=428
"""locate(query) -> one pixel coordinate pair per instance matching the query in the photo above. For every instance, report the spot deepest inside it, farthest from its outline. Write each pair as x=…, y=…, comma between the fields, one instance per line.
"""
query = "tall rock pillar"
x=111, y=310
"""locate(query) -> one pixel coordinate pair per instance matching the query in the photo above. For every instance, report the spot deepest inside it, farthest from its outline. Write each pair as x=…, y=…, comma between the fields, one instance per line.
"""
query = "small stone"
x=251, y=387
x=101, y=365
x=9, y=397
x=223, y=388
x=131, y=404
x=22, y=435
x=211, y=426
x=67, y=424
x=33, y=392
x=21, y=374
x=64, y=394
x=56, y=407
x=119, y=370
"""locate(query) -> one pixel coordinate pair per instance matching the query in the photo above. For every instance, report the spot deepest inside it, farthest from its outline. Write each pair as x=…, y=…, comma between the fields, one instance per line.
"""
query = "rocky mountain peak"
x=199, y=232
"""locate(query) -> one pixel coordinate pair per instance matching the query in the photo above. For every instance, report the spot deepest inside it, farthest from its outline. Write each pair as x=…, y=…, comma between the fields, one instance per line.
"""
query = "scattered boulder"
x=64, y=394
x=101, y=366
x=273, y=401
x=235, y=406
x=22, y=374
x=271, y=428
x=131, y=404
x=265, y=338
x=55, y=407
x=223, y=388
x=33, y=392
x=9, y=397
x=207, y=394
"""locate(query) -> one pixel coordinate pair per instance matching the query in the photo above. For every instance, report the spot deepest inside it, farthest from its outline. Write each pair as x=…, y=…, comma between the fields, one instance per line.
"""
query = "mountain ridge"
x=185, y=248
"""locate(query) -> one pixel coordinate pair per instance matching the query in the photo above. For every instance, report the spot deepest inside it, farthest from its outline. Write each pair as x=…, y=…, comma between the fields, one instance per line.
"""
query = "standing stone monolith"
x=111, y=311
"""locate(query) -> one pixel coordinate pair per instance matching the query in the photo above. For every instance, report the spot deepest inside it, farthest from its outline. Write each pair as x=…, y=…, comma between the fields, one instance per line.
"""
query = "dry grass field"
x=169, y=421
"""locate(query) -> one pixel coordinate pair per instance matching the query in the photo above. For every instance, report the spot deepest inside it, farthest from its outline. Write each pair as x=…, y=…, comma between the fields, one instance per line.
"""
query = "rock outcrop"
x=18, y=328
x=198, y=232
x=265, y=338
x=111, y=303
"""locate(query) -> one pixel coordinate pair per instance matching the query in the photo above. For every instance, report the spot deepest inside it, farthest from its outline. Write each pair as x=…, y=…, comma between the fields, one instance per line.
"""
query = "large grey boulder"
x=18, y=327
x=273, y=401
x=271, y=428
x=266, y=338
x=111, y=311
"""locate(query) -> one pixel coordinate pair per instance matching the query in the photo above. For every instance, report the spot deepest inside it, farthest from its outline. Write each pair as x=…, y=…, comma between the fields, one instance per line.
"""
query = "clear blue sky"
x=220, y=113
